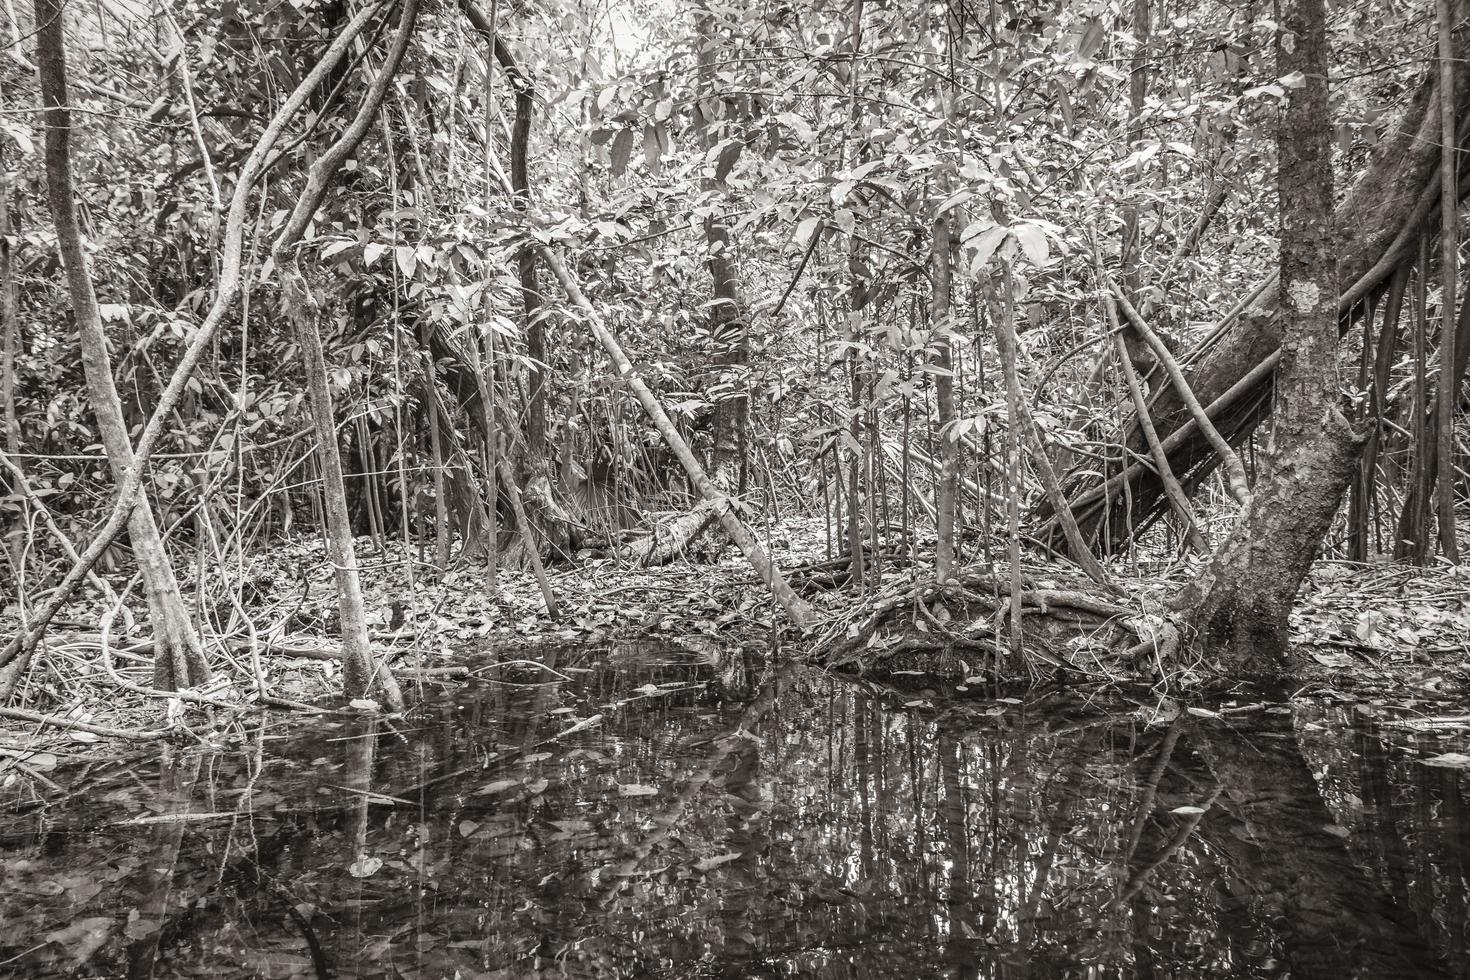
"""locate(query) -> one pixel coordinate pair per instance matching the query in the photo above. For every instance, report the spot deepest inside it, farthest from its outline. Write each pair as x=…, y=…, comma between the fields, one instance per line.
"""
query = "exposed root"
x=961, y=626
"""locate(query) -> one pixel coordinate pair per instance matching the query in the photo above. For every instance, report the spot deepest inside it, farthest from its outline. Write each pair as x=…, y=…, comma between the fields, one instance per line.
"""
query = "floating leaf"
x=83, y=937
x=365, y=866
x=499, y=786
x=637, y=789
x=709, y=864
x=1188, y=811
x=1449, y=760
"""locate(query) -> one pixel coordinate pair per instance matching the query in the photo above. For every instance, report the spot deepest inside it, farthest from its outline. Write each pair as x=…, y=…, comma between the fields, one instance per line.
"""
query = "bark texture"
x=727, y=324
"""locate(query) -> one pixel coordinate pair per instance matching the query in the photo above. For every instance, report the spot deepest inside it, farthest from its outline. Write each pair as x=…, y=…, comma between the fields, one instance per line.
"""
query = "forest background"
x=969, y=311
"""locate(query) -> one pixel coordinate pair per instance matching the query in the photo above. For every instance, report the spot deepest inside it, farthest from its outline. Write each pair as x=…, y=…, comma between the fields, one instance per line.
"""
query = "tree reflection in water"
x=655, y=816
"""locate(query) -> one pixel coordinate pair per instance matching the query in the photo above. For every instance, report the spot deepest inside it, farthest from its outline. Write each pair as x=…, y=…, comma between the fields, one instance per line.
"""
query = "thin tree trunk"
x=1018, y=416
x=1449, y=390
x=178, y=657
x=436, y=451
x=359, y=677
x=943, y=362
x=726, y=327
x=528, y=536
x=9, y=321
x=1138, y=354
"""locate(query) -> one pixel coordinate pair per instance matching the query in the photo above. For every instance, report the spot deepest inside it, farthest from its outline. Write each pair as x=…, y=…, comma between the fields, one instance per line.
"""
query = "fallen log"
x=666, y=542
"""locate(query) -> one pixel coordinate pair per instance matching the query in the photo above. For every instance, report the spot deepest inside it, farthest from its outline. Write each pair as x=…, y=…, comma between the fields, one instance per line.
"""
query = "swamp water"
x=636, y=812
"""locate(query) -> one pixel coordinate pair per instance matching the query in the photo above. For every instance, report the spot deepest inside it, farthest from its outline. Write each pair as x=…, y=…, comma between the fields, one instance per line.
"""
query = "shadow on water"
x=631, y=812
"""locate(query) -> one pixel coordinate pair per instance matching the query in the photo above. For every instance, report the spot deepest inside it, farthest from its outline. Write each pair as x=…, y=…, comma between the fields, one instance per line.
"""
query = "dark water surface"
x=646, y=813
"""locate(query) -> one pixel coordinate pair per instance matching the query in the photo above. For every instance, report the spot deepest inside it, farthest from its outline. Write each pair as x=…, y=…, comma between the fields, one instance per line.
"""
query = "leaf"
x=729, y=154
x=467, y=827
x=953, y=201
x=83, y=937
x=651, y=150
x=1450, y=760
x=637, y=789
x=710, y=863
x=372, y=253
x=1188, y=811
x=806, y=229
x=406, y=257
x=985, y=247
x=1032, y=241
x=1090, y=38
x=622, y=147
x=365, y=866
x=41, y=761
x=20, y=135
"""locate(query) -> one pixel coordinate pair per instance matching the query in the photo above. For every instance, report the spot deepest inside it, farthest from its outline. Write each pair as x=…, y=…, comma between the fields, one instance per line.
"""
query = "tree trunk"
x=178, y=656
x=727, y=328
x=9, y=321
x=359, y=677
x=1243, y=597
x=940, y=322
x=1449, y=236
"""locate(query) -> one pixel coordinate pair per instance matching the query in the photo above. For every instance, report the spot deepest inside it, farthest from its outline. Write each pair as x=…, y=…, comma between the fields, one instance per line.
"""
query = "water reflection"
x=628, y=813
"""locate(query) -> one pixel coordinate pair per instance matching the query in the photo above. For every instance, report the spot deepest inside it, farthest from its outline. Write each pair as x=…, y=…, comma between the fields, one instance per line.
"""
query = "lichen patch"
x=1303, y=295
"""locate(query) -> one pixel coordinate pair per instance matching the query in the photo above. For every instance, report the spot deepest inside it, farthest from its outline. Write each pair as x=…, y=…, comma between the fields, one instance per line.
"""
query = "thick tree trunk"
x=178, y=656
x=1246, y=592
x=1377, y=227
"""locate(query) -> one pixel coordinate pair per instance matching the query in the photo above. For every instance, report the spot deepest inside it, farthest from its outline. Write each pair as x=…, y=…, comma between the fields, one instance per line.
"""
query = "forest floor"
x=1376, y=627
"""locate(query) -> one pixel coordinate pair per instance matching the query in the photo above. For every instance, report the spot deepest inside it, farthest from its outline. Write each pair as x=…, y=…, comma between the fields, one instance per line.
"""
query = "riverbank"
x=274, y=616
